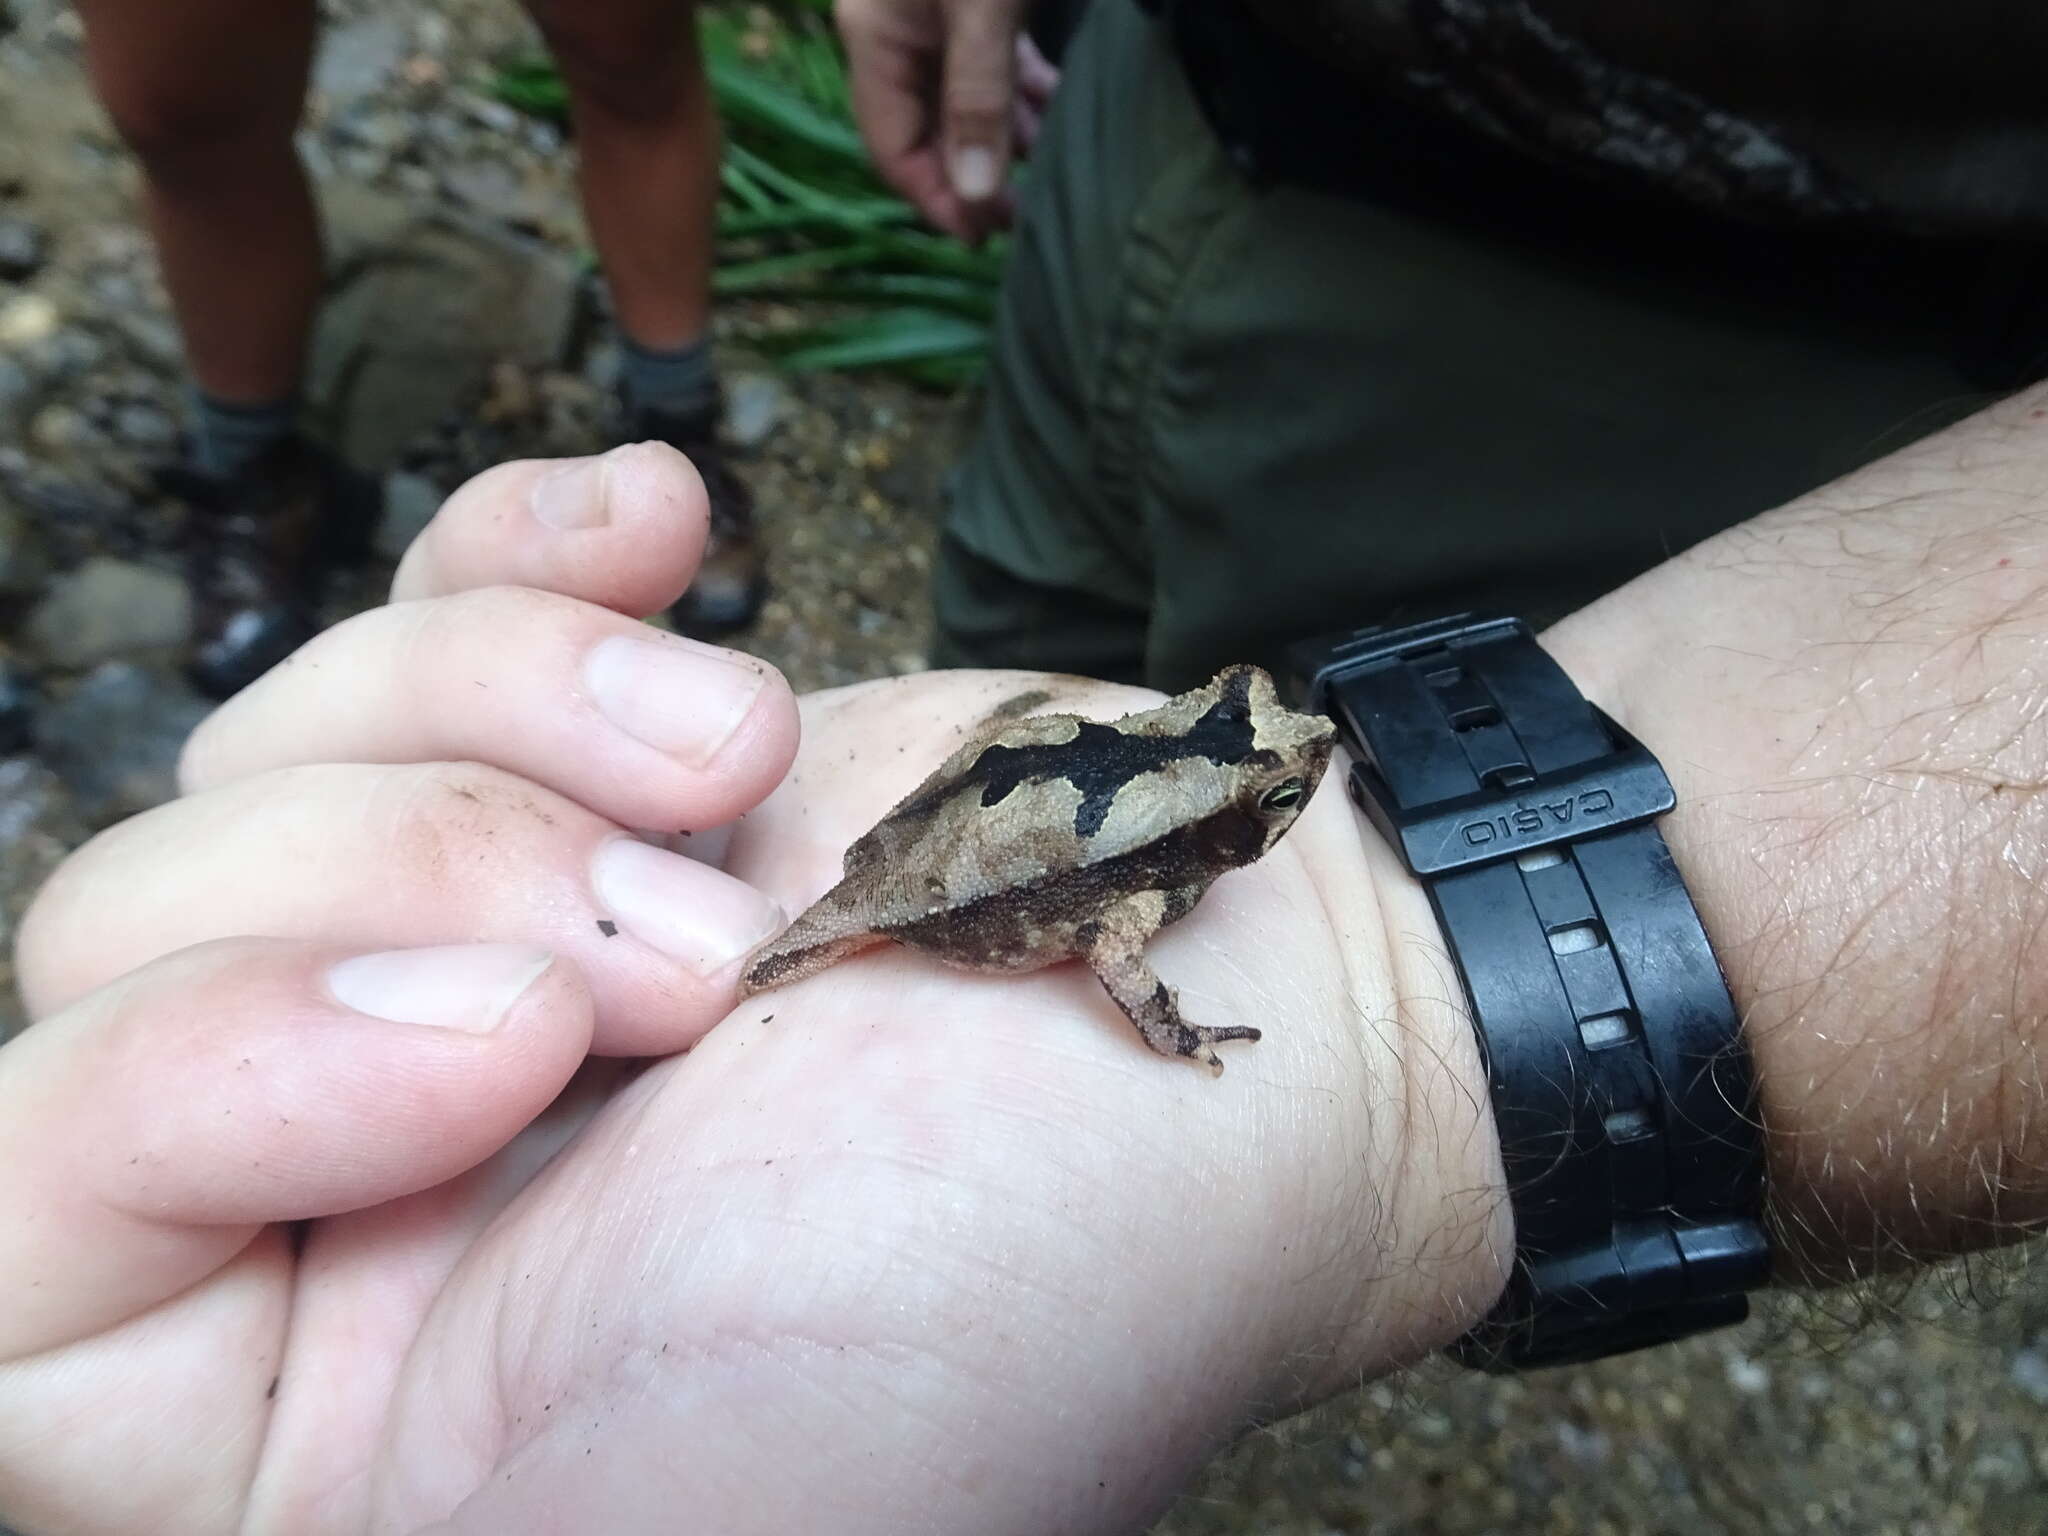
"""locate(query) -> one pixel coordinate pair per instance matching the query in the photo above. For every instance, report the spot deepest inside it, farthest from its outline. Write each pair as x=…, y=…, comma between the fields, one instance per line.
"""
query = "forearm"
x=1849, y=697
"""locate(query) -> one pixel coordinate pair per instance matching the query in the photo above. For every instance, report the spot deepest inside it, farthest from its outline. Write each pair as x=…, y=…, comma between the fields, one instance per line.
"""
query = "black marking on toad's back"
x=1100, y=759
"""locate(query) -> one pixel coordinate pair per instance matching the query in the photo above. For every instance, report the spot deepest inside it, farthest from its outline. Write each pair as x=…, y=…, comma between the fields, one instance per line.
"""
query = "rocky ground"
x=464, y=329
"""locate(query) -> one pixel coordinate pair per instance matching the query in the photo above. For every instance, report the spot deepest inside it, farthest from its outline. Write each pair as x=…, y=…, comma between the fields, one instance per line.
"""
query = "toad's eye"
x=1281, y=797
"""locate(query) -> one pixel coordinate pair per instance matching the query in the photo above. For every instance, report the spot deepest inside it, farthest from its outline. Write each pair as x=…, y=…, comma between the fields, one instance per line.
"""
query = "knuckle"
x=173, y=1009
x=455, y=826
x=460, y=794
x=973, y=93
x=497, y=622
x=977, y=115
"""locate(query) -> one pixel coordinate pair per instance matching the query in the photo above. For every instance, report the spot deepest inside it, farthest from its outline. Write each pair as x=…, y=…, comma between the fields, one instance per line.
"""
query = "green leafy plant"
x=803, y=217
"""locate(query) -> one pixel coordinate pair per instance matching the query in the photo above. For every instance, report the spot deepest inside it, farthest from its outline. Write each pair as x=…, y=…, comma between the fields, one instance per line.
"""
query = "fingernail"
x=678, y=696
x=974, y=173
x=470, y=987
x=573, y=496
x=694, y=914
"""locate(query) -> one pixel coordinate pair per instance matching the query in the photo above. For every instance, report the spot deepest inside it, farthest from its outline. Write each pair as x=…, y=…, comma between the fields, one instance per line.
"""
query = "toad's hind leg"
x=1113, y=945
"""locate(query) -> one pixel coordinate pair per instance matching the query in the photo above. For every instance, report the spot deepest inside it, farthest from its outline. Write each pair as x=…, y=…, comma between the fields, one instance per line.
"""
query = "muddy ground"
x=458, y=217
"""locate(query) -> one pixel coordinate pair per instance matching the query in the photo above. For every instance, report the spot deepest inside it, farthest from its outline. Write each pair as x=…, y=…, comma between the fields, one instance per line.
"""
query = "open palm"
x=896, y=1249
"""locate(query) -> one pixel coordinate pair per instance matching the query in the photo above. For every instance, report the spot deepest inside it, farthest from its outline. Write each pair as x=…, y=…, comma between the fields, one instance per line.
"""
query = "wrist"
x=1636, y=1184
x=1425, y=1236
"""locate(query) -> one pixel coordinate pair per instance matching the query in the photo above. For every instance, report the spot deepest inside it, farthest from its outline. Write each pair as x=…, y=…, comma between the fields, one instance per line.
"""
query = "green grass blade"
x=776, y=179
x=745, y=96
x=956, y=295
x=778, y=218
x=734, y=178
x=893, y=336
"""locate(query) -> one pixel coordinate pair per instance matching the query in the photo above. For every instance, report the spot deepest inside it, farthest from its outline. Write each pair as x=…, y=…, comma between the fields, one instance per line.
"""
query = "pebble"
x=107, y=608
x=492, y=187
x=1747, y=1376
x=147, y=427
x=383, y=130
x=24, y=247
x=497, y=116
x=115, y=291
x=755, y=404
x=357, y=57
x=61, y=355
x=510, y=396
x=433, y=33
x=115, y=738
x=153, y=338
x=58, y=429
x=38, y=826
x=24, y=562
x=1587, y=1447
x=603, y=365
x=27, y=319
x=2029, y=1372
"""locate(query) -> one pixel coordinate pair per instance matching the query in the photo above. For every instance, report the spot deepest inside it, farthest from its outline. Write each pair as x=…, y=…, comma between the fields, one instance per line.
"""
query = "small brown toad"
x=1058, y=837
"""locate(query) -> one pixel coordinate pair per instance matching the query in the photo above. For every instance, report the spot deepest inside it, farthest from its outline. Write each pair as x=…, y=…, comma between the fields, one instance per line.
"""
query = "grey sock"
x=227, y=439
x=681, y=382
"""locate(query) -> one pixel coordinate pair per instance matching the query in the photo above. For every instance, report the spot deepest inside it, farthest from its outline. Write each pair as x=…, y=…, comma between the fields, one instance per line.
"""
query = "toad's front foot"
x=1114, y=947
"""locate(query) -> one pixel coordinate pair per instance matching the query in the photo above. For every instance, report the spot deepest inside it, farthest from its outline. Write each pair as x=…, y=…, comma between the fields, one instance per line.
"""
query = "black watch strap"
x=1623, y=1093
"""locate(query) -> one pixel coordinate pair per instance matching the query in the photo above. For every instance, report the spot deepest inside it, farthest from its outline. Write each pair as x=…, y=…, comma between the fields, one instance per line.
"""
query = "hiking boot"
x=262, y=543
x=732, y=581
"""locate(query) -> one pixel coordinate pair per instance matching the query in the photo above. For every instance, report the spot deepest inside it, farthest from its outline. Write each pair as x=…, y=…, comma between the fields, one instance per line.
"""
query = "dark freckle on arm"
x=607, y=927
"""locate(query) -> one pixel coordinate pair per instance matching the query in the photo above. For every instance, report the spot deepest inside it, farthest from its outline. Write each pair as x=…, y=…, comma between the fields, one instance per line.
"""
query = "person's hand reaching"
x=948, y=93
x=319, y=1220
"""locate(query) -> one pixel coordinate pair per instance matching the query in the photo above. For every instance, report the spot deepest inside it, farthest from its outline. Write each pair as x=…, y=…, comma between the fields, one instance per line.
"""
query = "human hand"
x=896, y=1246
x=946, y=92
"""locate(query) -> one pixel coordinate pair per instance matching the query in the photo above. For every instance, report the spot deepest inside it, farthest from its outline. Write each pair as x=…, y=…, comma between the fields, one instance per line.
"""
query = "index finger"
x=623, y=529
x=894, y=90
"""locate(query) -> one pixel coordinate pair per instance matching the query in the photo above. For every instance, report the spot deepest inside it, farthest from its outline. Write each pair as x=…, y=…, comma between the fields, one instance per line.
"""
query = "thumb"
x=981, y=63
x=152, y=1128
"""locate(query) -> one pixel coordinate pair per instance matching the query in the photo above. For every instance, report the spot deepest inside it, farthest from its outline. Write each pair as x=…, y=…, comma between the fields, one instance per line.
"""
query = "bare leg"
x=1114, y=947
x=207, y=93
x=649, y=144
x=650, y=152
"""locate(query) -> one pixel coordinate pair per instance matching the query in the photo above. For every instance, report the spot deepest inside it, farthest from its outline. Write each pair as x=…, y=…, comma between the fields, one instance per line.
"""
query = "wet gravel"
x=1932, y=1420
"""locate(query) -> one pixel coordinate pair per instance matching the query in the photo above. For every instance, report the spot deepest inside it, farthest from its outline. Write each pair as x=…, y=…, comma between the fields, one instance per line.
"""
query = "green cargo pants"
x=1220, y=418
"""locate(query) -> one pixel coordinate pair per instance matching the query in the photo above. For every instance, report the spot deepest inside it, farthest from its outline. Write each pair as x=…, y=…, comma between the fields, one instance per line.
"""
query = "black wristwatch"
x=1622, y=1090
